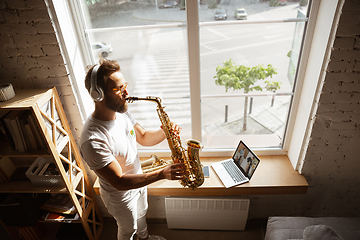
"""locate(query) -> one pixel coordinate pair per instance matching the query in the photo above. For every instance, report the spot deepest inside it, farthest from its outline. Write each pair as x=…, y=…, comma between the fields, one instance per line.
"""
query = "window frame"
x=323, y=21
x=294, y=144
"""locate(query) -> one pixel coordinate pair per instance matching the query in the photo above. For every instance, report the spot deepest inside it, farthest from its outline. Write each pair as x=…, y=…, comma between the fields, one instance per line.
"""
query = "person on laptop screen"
x=238, y=169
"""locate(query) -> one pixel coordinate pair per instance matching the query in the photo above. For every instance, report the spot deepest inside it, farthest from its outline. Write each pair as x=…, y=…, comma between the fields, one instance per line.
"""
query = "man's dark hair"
x=107, y=67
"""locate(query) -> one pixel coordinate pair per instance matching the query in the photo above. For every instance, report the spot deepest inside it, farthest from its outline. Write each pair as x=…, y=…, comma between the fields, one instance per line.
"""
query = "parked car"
x=101, y=49
x=168, y=4
x=240, y=14
x=282, y=2
x=220, y=14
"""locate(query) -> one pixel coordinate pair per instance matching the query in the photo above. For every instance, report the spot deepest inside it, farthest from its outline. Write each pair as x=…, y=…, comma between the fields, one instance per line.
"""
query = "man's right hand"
x=174, y=171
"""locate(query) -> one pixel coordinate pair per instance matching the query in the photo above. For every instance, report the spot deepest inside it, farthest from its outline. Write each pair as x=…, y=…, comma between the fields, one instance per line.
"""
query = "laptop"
x=239, y=169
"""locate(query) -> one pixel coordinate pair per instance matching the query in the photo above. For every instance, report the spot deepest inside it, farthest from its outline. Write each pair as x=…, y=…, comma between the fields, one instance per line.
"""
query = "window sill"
x=274, y=175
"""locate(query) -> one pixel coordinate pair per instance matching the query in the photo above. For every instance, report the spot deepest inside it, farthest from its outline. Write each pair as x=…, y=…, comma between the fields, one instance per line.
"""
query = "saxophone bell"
x=197, y=175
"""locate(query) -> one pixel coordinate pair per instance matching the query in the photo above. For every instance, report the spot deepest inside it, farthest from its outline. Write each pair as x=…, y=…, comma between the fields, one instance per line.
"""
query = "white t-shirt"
x=102, y=142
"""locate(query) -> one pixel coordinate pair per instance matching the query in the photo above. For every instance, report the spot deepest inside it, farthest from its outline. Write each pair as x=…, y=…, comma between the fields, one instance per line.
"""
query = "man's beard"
x=117, y=106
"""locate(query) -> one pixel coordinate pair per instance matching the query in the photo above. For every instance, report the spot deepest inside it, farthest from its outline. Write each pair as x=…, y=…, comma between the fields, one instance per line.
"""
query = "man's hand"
x=174, y=171
x=176, y=129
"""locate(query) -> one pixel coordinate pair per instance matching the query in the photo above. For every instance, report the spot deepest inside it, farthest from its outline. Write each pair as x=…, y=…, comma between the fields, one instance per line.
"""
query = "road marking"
x=217, y=33
x=247, y=46
x=273, y=36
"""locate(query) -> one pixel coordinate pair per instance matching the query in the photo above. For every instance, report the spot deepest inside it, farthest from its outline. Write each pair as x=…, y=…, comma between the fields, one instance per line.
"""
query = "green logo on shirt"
x=132, y=133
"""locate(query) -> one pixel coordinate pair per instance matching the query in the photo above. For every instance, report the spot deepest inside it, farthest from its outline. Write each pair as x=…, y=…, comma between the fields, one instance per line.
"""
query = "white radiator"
x=206, y=213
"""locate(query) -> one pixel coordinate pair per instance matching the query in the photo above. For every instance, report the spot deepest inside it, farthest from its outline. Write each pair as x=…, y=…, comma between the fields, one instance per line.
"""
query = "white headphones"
x=96, y=92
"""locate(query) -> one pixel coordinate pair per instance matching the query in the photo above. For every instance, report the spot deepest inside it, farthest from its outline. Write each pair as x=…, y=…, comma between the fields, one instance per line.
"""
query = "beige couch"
x=307, y=228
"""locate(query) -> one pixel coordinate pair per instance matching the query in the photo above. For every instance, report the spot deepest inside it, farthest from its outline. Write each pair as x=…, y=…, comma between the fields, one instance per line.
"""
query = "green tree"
x=212, y=4
x=303, y=2
x=240, y=77
x=274, y=3
x=272, y=86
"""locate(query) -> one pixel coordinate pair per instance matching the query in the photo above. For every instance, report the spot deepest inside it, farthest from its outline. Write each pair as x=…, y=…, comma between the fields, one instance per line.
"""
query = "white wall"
x=31, y=56
x=331, y=161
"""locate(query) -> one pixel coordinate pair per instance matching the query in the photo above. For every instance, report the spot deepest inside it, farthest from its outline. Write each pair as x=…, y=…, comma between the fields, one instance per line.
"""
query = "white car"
x=168, y=4
x=101, y=49
x=282, y=2
x=240, y=13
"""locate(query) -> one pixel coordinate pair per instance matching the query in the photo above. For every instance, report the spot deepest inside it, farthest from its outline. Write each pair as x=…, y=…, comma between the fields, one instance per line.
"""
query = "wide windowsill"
x=274, y=175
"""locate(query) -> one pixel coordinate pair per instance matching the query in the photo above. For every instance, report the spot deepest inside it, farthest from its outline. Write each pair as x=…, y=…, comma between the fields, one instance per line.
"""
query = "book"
x=51, y=216
x=19, y=130
x=60, y=203
x=14, y=136
x=36, y=130
x=54, y=216
x=30, y=136
x=28, y=141
x=6, y=135
x=7, y=168
x=2, y=130
x=12, y=121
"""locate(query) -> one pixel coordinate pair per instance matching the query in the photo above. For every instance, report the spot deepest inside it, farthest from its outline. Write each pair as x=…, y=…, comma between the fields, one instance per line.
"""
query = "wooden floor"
x=255, y=230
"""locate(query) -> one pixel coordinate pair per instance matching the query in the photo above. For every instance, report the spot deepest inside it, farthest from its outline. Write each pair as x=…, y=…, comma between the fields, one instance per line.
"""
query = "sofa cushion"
x=320, y=232
x=284, y=228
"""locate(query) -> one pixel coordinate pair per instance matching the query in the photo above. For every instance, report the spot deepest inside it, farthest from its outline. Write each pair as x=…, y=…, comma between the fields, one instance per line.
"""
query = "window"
x=74, y=41
x=270, y=35
x=150, y=41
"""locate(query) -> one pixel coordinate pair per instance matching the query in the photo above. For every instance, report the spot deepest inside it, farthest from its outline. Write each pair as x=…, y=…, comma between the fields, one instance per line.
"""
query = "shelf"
x=28, y=187
x=6, y=150
x=274, y=175
x=60, y=221
x=25, y=98
x=46, y=122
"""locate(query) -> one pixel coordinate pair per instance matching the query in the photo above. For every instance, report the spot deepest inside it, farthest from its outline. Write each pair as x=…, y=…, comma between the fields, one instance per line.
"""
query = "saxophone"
x=194, y=176
x=154, y=163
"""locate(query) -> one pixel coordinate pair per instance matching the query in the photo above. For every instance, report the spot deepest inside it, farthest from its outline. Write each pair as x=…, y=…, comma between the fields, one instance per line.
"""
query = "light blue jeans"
x=129, y=210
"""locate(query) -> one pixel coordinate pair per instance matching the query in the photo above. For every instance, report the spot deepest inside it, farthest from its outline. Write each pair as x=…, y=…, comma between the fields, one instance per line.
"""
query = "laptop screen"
x=245, y=159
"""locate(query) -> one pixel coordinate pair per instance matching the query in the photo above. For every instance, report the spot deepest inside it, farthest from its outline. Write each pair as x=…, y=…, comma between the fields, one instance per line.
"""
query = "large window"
x=153, y=39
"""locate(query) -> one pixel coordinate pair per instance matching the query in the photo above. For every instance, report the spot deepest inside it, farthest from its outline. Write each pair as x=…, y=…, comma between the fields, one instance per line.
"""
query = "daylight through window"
x=249, y=53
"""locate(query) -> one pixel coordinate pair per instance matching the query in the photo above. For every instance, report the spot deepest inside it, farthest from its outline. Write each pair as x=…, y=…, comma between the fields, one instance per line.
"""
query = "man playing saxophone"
x=108, y=145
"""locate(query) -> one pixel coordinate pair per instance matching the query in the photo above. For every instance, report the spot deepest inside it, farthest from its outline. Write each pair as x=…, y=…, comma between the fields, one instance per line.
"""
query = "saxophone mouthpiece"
x=131, y=99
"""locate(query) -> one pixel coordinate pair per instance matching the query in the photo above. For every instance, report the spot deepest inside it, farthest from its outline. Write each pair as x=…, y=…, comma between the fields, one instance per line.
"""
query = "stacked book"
x=61, y=208
x=7, y=168
x=21, y=130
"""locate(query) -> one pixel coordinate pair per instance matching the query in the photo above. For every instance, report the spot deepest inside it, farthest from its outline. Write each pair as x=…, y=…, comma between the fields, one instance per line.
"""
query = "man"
x=249, y=161
x=108, y=145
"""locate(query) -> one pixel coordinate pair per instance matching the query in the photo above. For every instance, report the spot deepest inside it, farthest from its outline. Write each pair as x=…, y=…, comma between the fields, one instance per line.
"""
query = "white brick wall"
x=332, y=160
x=30, y=53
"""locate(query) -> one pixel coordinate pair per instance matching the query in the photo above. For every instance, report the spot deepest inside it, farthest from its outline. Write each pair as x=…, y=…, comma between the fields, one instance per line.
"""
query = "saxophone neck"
x=148, y=98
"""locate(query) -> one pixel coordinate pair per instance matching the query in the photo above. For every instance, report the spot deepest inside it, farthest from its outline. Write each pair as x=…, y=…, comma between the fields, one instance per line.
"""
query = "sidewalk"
x=262, y=120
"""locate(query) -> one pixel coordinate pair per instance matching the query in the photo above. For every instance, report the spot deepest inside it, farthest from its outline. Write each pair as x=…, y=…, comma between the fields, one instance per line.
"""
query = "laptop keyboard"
x=235, y=173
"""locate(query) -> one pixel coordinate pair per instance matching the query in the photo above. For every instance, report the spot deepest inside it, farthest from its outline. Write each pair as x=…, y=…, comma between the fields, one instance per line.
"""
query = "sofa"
x=308, y=228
